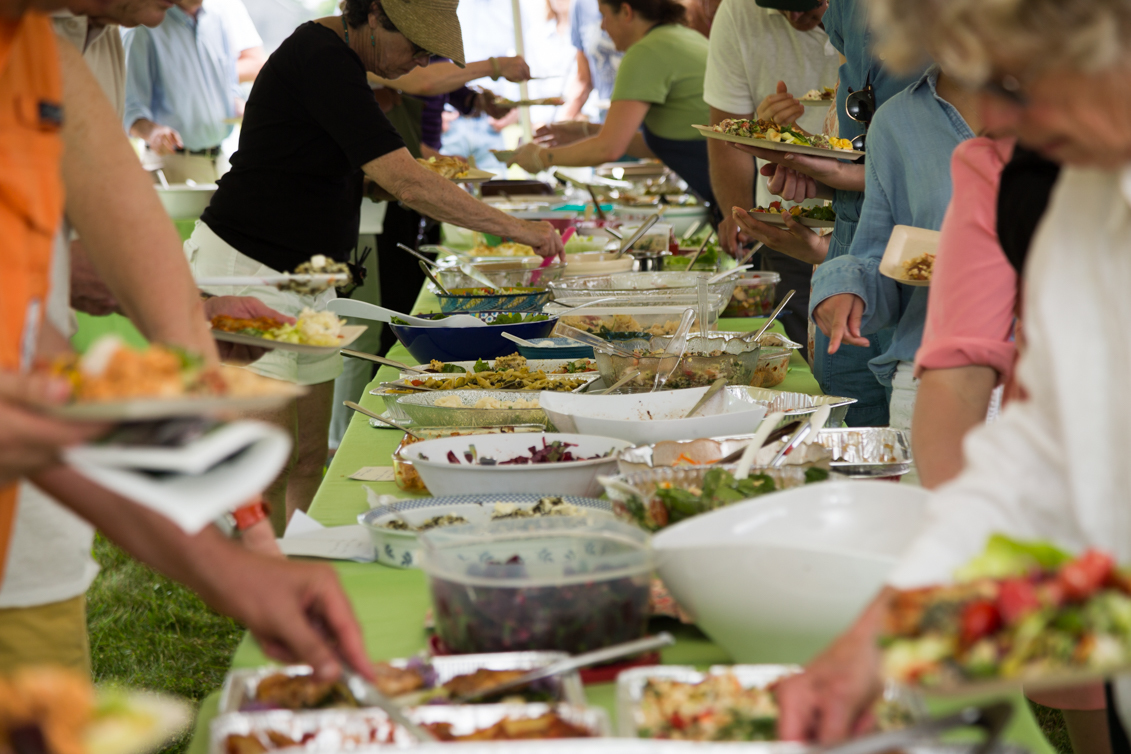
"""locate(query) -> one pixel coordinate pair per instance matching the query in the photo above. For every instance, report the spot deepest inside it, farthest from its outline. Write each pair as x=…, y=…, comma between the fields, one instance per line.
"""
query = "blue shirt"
x=907, y=183
x=183, y=75
x=587, y=36
x=846, y=22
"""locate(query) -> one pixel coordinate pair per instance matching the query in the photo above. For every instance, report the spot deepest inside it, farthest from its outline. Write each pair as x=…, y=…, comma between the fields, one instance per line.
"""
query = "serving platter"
x=777, y=146
x=350, y=333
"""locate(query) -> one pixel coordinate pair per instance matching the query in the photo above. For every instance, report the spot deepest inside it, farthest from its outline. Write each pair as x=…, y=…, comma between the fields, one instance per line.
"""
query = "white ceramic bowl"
x=565, y=478
x=777, y=578
x=645, y=418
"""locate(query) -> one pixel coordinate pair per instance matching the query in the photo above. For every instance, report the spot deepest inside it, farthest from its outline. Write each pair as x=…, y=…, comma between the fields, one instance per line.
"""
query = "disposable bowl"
x=573, y=585
x=443, y=477
x=809, y=560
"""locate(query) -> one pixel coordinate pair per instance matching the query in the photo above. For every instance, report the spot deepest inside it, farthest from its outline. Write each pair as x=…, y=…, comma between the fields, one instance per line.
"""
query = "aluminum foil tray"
x=647, y=746
x=240, y=685
x=795, y=405
x=421, y=410
x=333, y=731
x=868, y=451
x=897, y=702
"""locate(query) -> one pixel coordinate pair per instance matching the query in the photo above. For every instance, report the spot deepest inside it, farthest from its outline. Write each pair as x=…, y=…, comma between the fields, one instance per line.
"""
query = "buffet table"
x=391, y=604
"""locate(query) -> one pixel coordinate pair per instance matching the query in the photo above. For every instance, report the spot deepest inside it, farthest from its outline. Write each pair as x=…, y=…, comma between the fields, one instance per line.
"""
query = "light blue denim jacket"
x=907, y=182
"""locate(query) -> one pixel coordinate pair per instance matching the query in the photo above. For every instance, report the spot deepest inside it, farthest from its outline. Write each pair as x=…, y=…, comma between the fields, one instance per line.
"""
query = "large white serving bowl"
x=565, y=478
x=775, y=579
x=644, y=418
x=182, y=200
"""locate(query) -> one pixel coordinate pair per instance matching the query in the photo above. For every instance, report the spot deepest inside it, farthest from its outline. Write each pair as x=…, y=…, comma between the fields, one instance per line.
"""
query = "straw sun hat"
x=431, y=24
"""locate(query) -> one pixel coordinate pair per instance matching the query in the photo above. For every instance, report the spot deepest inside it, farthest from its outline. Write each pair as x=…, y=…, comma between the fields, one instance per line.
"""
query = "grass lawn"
x=149, y=632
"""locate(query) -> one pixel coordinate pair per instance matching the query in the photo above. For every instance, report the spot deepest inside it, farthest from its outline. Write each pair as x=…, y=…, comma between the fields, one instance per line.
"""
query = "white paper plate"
x=350, y=333
x=144, y=409
x=777, y=146
x=771, y=218
x=474, y=175
x=816, y=102
x=907, y=243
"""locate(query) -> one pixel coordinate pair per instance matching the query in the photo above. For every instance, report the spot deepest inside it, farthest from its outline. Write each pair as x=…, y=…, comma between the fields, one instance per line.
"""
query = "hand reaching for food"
x=542, y=237
x=564, y=132
x=531, y=158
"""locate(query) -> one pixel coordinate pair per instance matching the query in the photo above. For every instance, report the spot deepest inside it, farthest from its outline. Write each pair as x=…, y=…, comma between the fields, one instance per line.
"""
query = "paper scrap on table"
x=374, y=474
x=377, y=500
x=307, y=538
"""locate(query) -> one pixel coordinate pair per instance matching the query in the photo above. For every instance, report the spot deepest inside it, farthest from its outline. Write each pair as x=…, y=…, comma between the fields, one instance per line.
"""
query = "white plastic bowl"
x=777, y=578
x=183, y=201
x=645, y=418
x=566, y=478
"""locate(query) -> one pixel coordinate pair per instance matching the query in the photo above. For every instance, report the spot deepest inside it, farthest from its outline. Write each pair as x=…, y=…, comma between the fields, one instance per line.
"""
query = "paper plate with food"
x=766, y=134
x=822, y=96
x=454, y=169
x=313, y=332
x=114, y=382
x=810, y=217
x=1021, y=612
x=910, y=255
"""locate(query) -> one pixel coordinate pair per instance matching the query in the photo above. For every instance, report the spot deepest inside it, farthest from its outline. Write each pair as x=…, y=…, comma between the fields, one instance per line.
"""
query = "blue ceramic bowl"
x=527, y=301
x=467, y=343
x=556, y=348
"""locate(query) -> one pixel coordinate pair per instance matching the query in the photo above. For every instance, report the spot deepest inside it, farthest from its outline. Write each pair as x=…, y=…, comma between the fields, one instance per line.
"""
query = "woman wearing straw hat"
x=313, y=139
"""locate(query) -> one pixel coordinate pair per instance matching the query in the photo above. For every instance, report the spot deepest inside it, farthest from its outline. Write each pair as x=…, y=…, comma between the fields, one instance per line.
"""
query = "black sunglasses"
x=861, y=106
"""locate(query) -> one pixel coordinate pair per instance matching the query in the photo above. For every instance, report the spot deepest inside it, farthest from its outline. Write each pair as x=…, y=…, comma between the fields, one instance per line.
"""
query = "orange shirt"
x=31, y=195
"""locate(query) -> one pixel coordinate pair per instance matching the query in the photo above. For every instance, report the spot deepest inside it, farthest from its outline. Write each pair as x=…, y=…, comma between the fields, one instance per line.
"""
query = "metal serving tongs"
x=812, y=427
x=626, y=245
x=991, y=718
x=647, y=644
x=367, y=695
x=466, y=268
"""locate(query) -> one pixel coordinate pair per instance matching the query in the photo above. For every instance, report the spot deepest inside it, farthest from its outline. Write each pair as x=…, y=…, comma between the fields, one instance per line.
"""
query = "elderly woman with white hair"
x=1057, y=74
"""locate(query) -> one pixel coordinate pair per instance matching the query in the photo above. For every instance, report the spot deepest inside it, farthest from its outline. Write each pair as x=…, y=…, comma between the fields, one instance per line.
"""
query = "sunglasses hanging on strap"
x=357, y=269
x=861, y=106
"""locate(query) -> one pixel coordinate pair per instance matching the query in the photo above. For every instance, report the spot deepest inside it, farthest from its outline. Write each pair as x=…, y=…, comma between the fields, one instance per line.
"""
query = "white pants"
x=211, y=256
x=904, y=389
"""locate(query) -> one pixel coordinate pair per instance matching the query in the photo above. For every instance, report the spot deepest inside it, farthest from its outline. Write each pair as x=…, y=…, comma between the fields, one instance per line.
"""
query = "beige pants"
x=182, y=167
x=52, y=634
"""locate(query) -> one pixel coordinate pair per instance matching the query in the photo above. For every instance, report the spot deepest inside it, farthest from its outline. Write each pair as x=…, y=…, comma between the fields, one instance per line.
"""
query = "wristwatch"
x=243, y=518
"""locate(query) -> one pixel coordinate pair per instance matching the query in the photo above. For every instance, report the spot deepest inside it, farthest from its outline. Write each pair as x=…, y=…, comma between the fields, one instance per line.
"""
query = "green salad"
x=504, y=318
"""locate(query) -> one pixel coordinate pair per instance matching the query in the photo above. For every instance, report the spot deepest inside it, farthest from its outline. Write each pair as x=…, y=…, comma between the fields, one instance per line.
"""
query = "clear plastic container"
x=753, y=295
x=573, y=584
x=773, y=366
x=704, y=361
x=627, y=322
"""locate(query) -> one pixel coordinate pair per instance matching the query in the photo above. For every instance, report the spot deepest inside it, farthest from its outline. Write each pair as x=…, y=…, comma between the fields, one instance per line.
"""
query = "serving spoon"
x=773, y=315
x=363, y=410
x=383, y=361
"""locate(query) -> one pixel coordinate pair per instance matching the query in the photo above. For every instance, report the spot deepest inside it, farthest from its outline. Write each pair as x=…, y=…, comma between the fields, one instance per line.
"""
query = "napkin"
x=307, y=538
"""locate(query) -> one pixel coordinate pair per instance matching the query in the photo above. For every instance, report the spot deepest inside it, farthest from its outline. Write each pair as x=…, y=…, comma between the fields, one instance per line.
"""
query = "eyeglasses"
x=1008, y=88
x=861, y=106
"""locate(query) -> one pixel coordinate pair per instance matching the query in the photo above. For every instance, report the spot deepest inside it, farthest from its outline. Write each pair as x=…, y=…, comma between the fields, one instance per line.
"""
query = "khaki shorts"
x=211, y=256
x=52, y=634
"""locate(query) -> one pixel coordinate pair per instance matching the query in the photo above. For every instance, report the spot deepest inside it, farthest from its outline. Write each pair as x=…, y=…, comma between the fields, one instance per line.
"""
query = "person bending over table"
x=313, y=139
x=1053, y=467
x=658, y=96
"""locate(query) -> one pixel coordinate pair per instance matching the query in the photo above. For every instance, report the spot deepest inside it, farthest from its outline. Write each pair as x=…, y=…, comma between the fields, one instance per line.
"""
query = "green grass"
x=149, y=632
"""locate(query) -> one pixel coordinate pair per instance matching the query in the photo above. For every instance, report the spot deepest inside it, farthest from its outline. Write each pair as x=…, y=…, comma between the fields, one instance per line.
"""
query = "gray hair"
x=968, y=37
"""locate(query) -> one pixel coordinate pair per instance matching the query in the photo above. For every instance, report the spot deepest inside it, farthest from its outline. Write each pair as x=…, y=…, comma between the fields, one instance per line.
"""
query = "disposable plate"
x=145, y=409
x=350, y=333
x=905, y=244
x=773, y=218
x=777, y=146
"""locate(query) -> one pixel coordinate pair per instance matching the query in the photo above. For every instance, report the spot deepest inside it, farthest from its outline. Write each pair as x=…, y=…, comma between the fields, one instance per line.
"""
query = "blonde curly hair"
x=970, y=37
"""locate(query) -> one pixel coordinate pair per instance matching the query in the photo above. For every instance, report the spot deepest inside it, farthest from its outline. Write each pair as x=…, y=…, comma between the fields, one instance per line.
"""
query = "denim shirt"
x=182, y=74
x=907, y=183
x=846, y=22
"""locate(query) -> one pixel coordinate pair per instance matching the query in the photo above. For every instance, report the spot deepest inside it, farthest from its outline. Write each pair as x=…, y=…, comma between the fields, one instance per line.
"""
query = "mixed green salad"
x=503, y=318
x=1018, y=610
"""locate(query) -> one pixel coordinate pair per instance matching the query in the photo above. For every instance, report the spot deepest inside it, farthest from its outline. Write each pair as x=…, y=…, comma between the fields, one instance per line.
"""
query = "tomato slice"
x=1083, y=576
x=979, y=618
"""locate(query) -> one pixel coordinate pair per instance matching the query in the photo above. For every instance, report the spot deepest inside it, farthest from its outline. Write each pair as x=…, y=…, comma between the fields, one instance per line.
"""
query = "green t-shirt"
x=666, y=68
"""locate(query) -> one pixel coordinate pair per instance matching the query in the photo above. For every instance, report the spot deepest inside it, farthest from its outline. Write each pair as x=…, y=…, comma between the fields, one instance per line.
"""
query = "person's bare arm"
x=732, y=180
x=951, y=402
x=250, y=63
x=441, y=78
x=297, y=611
x=578, y=88
x=612, y=141
x=438, y=198
x=832, y=699
x=112, y=204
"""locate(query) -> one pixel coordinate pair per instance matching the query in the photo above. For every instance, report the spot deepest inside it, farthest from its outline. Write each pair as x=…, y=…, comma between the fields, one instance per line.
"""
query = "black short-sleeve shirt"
x=295, y=186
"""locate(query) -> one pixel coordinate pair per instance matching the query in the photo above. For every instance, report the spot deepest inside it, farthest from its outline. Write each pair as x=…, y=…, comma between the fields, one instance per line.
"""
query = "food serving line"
x=391, y=604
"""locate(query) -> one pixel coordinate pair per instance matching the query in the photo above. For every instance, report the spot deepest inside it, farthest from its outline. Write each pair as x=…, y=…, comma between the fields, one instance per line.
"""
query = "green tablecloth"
x=391, y=603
